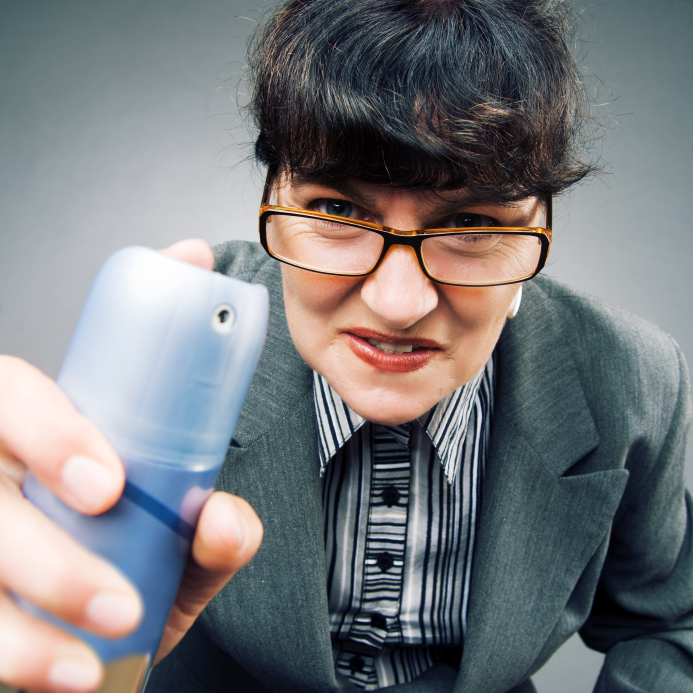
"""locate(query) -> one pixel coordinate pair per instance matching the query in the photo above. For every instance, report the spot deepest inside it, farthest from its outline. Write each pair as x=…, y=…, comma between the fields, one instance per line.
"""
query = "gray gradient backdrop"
x=119, y=126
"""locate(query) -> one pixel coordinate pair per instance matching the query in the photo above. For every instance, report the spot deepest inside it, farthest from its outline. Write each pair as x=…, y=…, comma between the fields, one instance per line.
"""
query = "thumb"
x=228, y=536
x=194, y=251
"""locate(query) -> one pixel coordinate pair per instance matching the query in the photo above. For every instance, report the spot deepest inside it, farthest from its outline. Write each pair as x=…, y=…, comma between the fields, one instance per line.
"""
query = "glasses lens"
x=481, y=258
x=322, y=244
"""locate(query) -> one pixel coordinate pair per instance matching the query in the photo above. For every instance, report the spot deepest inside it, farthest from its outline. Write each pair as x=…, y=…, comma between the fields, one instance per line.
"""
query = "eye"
x=465, y=220
x=338, y=208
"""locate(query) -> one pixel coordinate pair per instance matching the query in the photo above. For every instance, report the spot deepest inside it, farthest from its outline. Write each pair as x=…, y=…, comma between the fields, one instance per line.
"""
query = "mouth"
x=389, y=353
x=391, y=348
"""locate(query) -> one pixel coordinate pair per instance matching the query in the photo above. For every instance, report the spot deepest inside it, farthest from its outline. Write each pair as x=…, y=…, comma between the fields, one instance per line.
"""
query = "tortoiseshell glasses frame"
x=441, y=262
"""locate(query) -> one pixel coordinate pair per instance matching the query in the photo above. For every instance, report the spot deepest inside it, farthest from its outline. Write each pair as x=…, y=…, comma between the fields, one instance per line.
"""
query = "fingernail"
x=88, y=481
x=113, y=613
x=75, y=675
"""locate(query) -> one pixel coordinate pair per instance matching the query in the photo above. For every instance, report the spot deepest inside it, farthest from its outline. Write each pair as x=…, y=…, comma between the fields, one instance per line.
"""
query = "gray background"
x=119, y=125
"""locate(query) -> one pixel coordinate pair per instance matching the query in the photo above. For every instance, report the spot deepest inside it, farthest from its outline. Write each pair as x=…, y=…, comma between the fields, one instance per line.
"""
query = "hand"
x=41, y=431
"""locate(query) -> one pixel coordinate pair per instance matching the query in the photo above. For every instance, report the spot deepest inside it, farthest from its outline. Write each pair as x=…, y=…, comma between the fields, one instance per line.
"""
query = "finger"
x=228, y=535
x=45, y=566
x=40, y=427
x=37, y=656
x=195, y=251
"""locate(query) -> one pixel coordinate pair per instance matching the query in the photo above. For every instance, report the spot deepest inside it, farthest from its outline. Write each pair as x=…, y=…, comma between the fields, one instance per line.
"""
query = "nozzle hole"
x=223, y=318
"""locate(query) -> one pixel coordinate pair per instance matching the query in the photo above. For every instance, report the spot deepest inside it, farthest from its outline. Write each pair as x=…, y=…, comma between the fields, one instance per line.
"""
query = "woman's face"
x=346, y=328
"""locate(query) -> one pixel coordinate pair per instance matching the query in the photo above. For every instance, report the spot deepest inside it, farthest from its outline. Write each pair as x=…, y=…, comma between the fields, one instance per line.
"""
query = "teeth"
x=391, y=348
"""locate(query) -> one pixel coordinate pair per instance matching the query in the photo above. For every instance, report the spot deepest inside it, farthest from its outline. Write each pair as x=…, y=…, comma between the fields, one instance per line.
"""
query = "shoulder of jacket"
x=241, y=259
x=593, y=318
x=612, y=347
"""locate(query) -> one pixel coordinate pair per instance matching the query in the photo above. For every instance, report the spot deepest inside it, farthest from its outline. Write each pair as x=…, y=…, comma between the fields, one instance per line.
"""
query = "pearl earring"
x=515, y=305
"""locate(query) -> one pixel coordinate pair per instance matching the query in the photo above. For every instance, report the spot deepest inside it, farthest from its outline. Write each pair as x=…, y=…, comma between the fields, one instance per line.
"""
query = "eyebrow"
x=346, y=188
x=350, y=190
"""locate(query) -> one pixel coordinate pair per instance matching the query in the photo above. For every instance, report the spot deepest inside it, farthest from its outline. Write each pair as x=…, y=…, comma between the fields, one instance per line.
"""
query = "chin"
x=390, y=421
x=390, y=409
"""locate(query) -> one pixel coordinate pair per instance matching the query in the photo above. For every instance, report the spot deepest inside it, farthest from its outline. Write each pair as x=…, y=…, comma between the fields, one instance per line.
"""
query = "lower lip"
x=395, y=363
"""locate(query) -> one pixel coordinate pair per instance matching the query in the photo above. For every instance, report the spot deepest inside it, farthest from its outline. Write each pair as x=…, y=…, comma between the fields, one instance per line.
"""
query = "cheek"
x=479, y=314
x=309, y=294
x=480, y=309
x=311, y=302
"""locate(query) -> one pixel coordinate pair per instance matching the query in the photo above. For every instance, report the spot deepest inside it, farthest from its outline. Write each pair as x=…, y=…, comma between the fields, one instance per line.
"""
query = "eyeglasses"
x=476, y=256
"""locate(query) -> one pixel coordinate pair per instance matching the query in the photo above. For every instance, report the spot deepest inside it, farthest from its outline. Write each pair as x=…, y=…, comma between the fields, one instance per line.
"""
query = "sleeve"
x=642, y=616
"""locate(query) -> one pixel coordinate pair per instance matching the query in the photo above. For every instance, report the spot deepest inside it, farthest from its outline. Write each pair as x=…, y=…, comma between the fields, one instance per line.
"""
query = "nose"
x=398, y=292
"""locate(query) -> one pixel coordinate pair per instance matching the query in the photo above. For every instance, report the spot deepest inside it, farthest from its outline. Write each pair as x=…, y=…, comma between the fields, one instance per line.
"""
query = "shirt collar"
x=446, y=423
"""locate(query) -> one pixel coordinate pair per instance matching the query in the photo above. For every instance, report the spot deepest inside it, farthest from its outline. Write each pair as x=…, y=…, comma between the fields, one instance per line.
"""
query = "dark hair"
x=421, y=94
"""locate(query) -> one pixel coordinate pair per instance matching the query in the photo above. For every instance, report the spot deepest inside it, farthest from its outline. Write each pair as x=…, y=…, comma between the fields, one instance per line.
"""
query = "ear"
x=515, y=305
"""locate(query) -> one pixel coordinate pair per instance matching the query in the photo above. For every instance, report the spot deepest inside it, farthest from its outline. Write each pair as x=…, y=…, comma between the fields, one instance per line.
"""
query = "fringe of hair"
x=422, y=94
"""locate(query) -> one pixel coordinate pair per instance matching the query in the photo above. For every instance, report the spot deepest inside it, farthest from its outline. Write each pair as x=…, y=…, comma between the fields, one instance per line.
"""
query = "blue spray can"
x=161, y=360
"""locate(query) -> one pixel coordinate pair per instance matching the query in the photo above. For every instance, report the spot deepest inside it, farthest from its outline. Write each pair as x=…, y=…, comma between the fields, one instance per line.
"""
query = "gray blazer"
x=584, y=520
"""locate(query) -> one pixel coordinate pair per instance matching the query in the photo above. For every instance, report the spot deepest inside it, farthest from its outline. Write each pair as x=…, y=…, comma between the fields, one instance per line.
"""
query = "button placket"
x=377, y=622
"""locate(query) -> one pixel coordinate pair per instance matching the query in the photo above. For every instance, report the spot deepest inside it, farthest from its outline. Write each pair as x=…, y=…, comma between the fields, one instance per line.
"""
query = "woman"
x=446, y=494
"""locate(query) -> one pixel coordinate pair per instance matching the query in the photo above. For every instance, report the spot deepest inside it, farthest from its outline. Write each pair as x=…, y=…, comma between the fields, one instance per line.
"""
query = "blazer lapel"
x=284, y=640
x=541, y=521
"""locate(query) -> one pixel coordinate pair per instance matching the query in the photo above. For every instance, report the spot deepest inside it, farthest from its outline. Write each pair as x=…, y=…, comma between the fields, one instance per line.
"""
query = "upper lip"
x=416, y=342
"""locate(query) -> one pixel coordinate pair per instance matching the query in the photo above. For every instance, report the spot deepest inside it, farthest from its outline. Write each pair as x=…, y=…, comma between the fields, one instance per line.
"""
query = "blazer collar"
x=281, y=377
x=539, y=393
x=541, y=522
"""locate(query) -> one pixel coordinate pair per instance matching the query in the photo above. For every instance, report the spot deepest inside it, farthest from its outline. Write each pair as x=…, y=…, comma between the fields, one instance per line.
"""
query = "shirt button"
x=356, y=663
x=385, y=561
x=379, y=621
x=391, y=496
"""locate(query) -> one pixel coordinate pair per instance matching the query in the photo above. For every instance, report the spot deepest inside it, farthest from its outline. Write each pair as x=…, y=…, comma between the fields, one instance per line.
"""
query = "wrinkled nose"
x=398, y=292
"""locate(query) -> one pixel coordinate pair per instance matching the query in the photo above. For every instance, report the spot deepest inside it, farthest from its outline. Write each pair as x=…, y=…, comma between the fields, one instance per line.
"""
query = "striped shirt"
x=401, y=505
